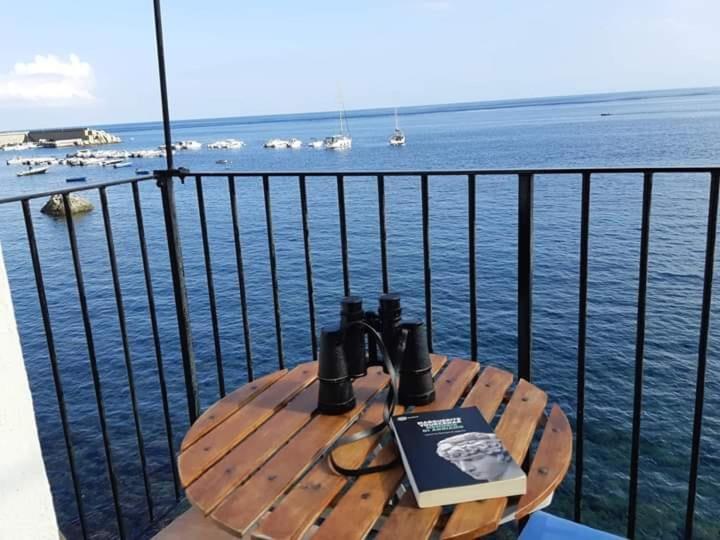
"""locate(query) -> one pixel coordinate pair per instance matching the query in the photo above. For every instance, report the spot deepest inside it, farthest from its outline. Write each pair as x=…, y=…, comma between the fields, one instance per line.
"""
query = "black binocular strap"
x=390, y=404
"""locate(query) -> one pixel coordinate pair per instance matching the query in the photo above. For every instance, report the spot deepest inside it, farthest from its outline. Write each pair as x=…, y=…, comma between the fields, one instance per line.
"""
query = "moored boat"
x=276, y=143
x=337, y=142
x=342, y=141
x=398, y=137
x=294, y=143
x=34, y=170
x=315, y=143
x=122, y=164
x=77, y=179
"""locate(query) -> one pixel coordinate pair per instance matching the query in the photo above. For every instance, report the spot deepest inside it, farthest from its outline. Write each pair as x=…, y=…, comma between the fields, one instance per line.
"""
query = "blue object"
x=543, y=526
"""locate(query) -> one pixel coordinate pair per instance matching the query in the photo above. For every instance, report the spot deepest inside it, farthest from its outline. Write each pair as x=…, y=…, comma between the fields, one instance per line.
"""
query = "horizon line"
x=488, y=104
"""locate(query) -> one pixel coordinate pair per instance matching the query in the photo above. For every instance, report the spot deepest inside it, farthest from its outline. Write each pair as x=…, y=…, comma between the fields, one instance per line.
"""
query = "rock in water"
x=56, y=207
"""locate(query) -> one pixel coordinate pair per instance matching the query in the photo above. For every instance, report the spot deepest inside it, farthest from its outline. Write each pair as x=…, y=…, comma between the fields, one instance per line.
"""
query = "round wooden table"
x=255, y=462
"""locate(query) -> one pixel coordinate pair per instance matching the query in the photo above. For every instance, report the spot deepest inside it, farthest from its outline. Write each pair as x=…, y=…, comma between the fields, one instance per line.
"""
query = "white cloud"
x=48, y=79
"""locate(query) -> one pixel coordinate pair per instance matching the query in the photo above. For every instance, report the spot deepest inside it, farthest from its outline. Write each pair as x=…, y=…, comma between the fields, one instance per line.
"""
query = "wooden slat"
x=406, y=519
x=550, y=463
x=515, y=429
x=227, y=406
x=292, y=516
x=192, y=525
x=218, y=442
x=360, y=507
x=233, y=469
x=244, y=506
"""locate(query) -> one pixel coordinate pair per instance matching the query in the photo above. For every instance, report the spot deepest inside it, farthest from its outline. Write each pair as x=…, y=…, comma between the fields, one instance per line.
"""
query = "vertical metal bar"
x=156, y=337
x=426, y=258
x=383, y=233
x=308, y=264
x=52, y=354
x=582, y=331
x=210, y=286
x=97, y=385
x=163, y=84
x=472, y=270
x=702, y=349
x=639, y=352
x=241, y=276
x=525, y=273
x=343, y=234
x=182, y=309
x=273, y=272
x=126, y=346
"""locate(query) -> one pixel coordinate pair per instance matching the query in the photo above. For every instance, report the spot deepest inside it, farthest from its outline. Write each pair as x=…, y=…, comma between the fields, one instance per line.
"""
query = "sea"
x=665, y=128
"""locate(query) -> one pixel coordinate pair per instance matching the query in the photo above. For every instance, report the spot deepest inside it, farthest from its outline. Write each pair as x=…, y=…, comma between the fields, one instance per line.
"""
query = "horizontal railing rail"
x=460, y=172
x=165, y=181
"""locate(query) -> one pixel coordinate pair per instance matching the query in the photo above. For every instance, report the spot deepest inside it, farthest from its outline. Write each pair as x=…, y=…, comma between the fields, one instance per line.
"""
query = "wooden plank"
x=294, y=514
x=516, y=429
x=360, y=507
x=406, y=519
x=215, y=444
x=550, y=463
x=233, y=469
x=192, y=525
x=488, y=392
x=244, y=506
x=227, y=406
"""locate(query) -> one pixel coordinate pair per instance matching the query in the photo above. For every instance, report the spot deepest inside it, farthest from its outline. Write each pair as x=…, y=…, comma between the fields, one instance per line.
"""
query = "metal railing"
x=525, y=188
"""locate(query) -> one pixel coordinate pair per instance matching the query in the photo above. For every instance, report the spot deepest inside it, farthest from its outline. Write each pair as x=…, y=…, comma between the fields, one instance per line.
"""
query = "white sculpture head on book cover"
x=480, y=455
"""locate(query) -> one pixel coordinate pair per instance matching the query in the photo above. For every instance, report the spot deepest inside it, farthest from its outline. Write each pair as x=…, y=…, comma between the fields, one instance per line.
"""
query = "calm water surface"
x=644, y=129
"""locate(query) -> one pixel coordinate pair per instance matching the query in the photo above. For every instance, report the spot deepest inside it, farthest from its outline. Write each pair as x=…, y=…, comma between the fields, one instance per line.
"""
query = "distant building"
x=59, y=137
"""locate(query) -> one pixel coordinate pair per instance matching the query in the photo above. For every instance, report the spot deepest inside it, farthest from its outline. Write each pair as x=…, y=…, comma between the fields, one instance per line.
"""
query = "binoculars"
x=347, y=349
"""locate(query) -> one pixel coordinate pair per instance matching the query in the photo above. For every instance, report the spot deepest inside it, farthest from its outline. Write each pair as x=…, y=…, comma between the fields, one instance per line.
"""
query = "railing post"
x=639, y=352
x=702, y=348
x=581, y=339
x=165, y=183
x=163, y=84
x=525, y=271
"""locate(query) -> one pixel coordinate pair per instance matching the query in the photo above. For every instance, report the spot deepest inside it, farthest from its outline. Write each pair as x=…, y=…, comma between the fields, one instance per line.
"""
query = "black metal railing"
x=166, y=182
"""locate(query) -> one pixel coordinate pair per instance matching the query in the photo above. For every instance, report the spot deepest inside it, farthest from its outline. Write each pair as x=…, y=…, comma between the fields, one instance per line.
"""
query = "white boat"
x=19, y=146
x=294, y=143
x=342, y=141
x=186, y=145
x=276, y=143
x=337, y=142
x=398, y=137
x=226, y=144
x=112, y=161
x=122, y=164
x=36, y=170
x=315, y=143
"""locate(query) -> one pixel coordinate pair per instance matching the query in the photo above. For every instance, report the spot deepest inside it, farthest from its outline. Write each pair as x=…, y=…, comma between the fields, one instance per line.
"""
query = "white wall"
x=26, y=507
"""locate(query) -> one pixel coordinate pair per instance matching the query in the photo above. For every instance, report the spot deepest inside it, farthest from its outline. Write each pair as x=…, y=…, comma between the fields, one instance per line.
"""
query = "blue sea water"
x=659, y=128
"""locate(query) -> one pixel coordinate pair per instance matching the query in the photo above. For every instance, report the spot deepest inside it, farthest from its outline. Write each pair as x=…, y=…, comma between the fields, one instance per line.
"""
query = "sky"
x=87, y=62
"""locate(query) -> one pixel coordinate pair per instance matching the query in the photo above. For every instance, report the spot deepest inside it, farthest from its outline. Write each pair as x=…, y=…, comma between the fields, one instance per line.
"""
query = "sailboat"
x=342, y=141
x=398, y=137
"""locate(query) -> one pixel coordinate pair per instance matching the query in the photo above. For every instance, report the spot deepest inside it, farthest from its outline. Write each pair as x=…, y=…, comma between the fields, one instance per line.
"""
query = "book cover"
x=454, y=456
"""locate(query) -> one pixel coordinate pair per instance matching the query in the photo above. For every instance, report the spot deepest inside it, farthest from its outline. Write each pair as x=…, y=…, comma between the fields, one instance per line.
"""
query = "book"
x=453, y=456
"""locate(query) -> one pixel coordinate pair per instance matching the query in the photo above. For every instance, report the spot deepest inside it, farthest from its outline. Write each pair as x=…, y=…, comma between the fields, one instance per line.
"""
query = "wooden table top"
x=252, y=462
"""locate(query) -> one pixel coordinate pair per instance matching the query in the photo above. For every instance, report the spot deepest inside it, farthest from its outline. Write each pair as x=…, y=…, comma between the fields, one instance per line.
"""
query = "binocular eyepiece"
x=347, y=350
